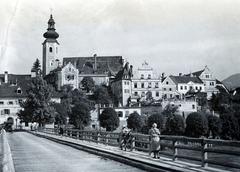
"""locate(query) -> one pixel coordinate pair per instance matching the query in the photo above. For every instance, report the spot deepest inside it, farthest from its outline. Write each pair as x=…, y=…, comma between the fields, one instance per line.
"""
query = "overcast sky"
x=174, y=36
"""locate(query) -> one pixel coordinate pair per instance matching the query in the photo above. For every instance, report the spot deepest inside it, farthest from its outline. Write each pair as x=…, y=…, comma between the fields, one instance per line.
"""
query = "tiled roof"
x=9, y=90
x=185, y=79
x=197, y=74
x=124, y=73
x=104, y=64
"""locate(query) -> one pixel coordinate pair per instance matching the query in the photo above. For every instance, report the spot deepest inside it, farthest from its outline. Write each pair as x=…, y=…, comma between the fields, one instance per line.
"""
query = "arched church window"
x=50, y=49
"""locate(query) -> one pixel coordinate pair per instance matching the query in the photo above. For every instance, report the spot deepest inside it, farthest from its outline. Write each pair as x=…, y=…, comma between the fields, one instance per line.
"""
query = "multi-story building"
x=145, y=81
x=13, y=91
x=178, y=86
x=210, y=82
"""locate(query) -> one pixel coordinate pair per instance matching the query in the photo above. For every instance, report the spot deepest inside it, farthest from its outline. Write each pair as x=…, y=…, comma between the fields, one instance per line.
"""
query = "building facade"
x=144, y=82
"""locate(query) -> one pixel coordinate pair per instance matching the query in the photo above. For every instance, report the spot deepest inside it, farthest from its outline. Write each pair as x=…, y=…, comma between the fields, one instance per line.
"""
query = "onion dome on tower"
x=51, y=33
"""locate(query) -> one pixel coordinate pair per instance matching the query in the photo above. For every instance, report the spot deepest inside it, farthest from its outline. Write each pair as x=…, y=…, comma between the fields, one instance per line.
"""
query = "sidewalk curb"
x=7, y=162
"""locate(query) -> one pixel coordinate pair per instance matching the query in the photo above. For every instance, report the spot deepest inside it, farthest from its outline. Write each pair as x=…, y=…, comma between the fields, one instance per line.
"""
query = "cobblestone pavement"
x=34, y=154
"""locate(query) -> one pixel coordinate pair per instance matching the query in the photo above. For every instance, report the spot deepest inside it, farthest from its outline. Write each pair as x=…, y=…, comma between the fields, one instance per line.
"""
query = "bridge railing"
x=199, y=150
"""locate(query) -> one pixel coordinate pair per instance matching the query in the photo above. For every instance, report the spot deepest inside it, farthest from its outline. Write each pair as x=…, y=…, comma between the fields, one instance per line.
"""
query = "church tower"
x=50, y=48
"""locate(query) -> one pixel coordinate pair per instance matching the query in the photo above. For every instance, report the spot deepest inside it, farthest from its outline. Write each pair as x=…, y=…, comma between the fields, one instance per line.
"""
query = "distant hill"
x=232, y=81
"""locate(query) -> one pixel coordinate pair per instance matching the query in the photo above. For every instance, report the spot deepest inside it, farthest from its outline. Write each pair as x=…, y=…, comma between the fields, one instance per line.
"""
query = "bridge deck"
x=35, y=154
x=163, y=163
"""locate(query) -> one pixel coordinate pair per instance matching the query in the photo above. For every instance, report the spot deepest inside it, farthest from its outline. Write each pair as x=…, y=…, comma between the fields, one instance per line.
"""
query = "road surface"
x=34, y=154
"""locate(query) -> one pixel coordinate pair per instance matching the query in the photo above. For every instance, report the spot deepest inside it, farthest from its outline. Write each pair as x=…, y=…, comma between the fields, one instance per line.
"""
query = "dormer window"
x=149, y=76
x=50, y=49
x=19, y=91
x=142, y=76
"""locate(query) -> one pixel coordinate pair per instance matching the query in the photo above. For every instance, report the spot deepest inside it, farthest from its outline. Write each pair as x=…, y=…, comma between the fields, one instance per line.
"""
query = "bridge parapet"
x=207, y=152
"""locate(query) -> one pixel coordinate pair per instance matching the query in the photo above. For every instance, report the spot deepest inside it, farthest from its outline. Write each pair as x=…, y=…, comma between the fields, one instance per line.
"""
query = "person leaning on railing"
x=155, y=140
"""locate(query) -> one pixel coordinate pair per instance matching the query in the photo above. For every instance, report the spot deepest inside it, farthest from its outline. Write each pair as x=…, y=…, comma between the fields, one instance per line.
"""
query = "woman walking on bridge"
x=155, y=140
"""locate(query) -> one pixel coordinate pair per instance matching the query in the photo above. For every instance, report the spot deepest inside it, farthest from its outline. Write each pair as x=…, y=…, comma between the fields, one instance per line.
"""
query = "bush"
x=230, y=126
x=155, y=118
x=214, y=125
x=135, y=121
x=109, y=119
x=196, y=125
x=175, y=125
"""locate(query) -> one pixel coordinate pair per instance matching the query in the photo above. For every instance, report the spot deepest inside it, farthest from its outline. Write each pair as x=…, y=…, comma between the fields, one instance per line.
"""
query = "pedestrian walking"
x=61, y=131
x=155, y=140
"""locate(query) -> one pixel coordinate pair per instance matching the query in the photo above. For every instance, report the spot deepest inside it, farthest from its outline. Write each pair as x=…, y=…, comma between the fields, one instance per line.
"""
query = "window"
x=170, y=95
x=207, y=76
x=120, y=114
x=19, y=91
x=142, y=76
x=181, y=87
x=149, y=85
x=149, y=76
x=26, y=124
x=212, y=83
x=200, y=88
x=126, y=114
x=135, y=93
x=170, y=89
x=20, y=101
x=193, y=106
x=185, y=87
x=157, y=94
x=10, y=102
x=50, y=49
x=196, y=88
x=7, y=111
x=156, y=85
x=164, y=89
x=142, y=85
x=135, y=84
x=190, y=88
x=167, y=83
x=1, y=103
x=126, y=90
x=143, y=94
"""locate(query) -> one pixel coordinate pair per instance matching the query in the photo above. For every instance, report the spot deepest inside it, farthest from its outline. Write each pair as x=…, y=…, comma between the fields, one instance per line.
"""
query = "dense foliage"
x=88, y=83
x=135, y=122
x=196, y=125
x=156, y=118
x=174, y=125
x=109, y=119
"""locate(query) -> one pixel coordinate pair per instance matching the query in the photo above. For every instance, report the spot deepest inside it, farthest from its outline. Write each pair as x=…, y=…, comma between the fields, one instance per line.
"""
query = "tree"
x=80, y=116
x=174, y=125
x=88, y=83
x=101, y=95
x=38, y=105
x=135, y=121
x=61, y=114
x=230, y=126
x=196, y=125
x=156, y=118
x=109, y=119
x=214, y=125
x=37, y=67
x=169, y=110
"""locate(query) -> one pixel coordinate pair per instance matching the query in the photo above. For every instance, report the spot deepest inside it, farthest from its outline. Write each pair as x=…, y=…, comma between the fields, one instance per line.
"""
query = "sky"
x=173, y=36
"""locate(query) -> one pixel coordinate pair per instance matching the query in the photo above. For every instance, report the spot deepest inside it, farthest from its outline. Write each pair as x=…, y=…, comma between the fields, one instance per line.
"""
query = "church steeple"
x=50, y=48
x=51, y=33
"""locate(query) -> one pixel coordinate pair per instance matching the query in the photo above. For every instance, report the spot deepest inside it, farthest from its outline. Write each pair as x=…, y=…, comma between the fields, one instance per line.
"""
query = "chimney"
x=95, y=61
x=5, y=77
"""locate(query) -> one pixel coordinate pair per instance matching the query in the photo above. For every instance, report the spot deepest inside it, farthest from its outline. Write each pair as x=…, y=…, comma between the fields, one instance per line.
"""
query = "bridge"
x=94, y=151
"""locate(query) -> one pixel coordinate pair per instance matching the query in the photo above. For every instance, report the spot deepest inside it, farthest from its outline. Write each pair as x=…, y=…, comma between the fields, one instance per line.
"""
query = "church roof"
x=185, y=79
x=96, y=64
x=51, y=33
